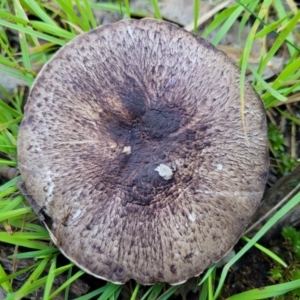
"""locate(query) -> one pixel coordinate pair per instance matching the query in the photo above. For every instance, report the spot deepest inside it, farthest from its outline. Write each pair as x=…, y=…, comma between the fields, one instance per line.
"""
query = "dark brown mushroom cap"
x=133, y=145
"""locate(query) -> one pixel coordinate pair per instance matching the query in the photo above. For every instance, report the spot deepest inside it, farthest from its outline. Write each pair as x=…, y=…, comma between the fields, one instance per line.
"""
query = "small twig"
x=271, y=211
x=208, y=15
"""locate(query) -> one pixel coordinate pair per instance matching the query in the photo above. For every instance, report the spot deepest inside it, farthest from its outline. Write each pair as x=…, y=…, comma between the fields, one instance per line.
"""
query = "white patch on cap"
x=179, y=162
x=50, y=186
x=77, y=213
x=164, y=171
x=192, y=217
x=50, y=189
x=219, y=167
x=130, y=31
x=127, y=150
x=36, y=149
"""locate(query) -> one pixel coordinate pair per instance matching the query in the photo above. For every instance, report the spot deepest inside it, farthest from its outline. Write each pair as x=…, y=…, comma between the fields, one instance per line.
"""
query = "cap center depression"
x=146, y=168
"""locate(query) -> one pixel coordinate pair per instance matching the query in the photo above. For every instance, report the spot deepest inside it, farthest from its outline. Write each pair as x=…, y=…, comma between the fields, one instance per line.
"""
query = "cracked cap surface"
x=133, y=146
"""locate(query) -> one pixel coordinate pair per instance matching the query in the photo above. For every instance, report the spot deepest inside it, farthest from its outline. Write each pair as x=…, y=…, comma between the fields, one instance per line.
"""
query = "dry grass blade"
x=208, y=15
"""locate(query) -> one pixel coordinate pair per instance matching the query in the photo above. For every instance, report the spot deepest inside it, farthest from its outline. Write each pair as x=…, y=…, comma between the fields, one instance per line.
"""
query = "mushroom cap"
x=133, y=147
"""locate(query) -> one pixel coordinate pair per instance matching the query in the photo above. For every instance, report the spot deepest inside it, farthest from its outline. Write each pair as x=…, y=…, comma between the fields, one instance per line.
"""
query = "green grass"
x=56, y=23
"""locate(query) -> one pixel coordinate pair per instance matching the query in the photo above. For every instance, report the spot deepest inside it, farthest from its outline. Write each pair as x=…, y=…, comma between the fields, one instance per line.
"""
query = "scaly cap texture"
x=133, y=147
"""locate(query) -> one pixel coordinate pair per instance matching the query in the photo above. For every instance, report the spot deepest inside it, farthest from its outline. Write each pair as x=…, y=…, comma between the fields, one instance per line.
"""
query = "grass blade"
x=156, y=9
x=196, y=14
x=278, y=215
x=267, y=291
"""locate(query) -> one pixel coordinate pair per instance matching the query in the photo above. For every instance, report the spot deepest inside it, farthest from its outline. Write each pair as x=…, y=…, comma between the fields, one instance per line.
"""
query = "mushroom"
x=134, y=150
